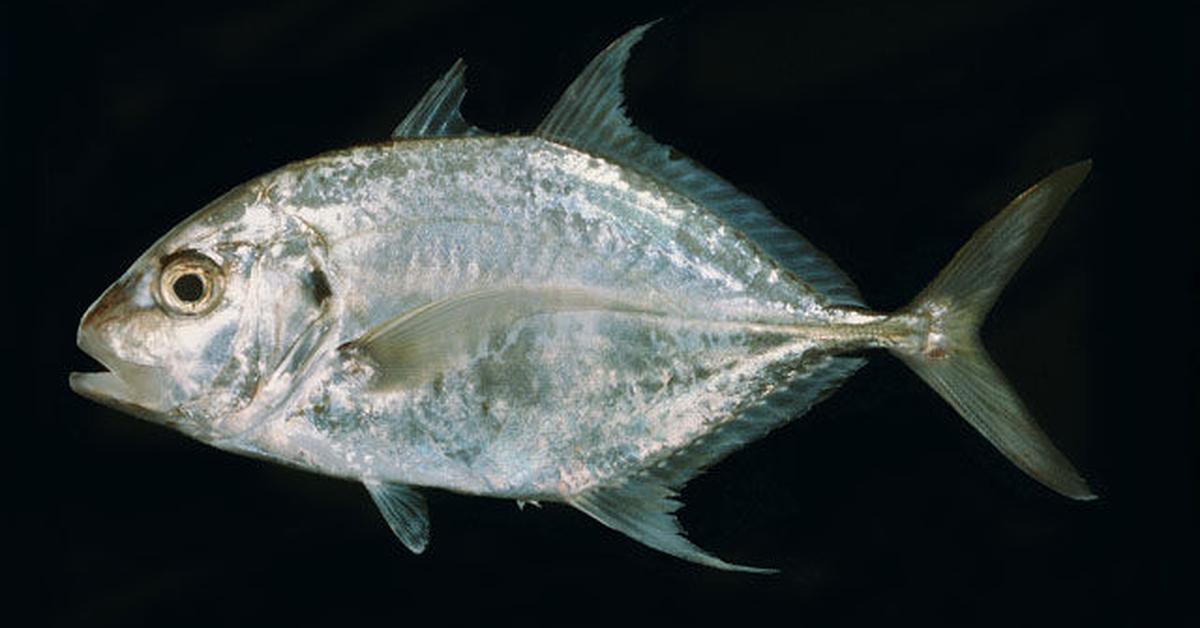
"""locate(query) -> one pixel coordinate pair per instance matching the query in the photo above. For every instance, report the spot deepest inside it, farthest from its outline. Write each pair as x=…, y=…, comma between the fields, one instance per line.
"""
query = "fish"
x=580, y=315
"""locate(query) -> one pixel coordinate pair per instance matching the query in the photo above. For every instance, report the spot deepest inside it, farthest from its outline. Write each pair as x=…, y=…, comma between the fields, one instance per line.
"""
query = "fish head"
x=192, y=331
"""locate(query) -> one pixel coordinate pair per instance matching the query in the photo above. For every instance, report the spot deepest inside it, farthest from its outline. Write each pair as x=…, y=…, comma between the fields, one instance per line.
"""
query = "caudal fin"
x=948, y=354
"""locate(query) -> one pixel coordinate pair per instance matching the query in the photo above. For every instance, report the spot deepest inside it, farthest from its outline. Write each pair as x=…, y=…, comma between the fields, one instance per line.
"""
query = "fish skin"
x=605, y=325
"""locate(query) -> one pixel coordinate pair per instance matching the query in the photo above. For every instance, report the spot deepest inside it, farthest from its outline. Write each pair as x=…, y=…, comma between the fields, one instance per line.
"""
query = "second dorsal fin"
x=437, y=113
x=590, y=116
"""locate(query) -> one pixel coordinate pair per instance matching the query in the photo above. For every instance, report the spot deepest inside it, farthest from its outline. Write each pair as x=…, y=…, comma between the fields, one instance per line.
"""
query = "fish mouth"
x=108, y=389
x=122, y=385
x=101, y=386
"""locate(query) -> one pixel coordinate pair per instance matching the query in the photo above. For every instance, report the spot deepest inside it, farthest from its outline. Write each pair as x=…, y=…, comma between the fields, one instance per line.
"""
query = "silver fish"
x=579, y=315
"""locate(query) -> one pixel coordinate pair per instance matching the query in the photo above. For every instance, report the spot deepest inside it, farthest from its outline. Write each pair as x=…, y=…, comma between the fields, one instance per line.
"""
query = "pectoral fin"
x=644, y=511
x=404, y=510
x=434, y=338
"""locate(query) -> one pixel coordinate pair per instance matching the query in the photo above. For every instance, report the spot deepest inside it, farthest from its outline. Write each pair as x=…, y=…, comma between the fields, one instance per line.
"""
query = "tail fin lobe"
x=949, y=356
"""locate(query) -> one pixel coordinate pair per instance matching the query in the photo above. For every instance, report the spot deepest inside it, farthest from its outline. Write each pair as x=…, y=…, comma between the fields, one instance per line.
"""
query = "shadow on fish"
x=579, y=315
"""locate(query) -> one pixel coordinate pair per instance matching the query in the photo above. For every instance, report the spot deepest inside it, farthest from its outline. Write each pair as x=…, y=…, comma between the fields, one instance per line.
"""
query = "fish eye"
x=190, y=283
x=189, y=287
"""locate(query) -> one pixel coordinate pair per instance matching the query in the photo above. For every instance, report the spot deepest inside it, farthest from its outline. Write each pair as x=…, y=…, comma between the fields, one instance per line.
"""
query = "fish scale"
x=580, y=315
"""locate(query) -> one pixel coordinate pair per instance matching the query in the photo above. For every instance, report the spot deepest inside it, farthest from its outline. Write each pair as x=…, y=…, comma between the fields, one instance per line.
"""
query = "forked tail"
x=947, y=353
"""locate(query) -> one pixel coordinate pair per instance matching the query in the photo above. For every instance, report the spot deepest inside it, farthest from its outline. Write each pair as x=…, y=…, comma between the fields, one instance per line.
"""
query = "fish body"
x=578, y=315
x=672, y=326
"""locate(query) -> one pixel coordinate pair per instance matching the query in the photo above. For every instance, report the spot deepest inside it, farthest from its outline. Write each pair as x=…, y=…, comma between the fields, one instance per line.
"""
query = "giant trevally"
x=579, y=315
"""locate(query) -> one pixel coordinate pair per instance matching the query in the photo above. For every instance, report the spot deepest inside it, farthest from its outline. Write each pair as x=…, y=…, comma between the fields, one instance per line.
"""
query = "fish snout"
x=108, y=332
x=108, y=307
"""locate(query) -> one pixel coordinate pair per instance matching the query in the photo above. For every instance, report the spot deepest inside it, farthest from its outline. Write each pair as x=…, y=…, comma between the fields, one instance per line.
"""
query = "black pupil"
x=189, y=288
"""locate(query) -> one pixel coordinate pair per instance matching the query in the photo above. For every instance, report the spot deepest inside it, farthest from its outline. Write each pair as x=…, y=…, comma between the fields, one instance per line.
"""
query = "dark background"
x=885, y=132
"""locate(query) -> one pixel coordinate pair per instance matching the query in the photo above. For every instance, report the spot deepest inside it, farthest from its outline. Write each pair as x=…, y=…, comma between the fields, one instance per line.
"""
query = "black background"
x=885, y=132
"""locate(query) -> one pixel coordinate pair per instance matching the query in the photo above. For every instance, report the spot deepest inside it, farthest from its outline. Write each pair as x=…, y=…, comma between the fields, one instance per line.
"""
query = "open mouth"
x=108, y=389
x=117, y=385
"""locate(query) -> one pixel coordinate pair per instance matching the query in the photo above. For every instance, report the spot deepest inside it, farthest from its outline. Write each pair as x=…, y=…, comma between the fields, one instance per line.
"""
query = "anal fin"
x=644, y=511
x=643, y=506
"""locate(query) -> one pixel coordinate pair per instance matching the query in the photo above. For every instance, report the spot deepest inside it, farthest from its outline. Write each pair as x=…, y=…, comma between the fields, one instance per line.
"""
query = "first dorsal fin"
x=437, y=113
x=590, y=116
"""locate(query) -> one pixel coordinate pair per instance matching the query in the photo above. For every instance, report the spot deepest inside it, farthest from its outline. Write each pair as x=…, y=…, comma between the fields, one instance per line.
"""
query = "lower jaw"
x=108, y=389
